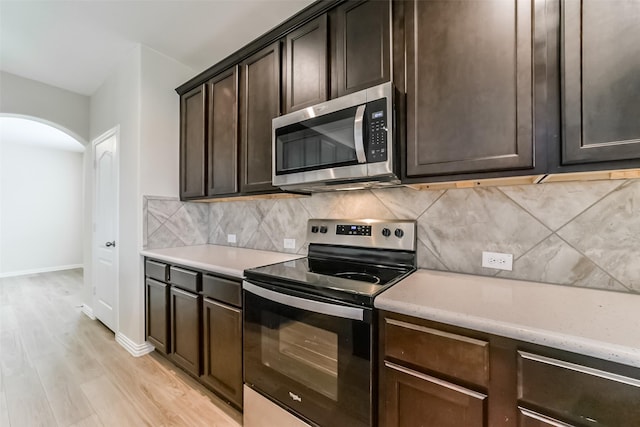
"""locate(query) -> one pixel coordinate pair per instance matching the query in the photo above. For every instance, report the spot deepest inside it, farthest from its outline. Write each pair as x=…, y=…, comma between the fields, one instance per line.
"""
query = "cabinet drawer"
x=450, y=354
x=577, y=393
x=223, y=290
x=156, y=270
x=185, y=279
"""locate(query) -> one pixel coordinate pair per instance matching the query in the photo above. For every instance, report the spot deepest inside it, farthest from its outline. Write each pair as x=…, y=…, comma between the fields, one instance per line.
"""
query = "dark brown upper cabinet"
x=362, y=46
x=600, y=69
x=259, y=104
x=469, y=86
x=222, y=140
x=193, y=168
x=306, y=60
x=208, y=138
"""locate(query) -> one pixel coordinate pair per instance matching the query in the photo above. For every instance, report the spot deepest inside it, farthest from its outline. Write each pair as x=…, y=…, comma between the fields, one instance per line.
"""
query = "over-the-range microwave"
x=345, y=143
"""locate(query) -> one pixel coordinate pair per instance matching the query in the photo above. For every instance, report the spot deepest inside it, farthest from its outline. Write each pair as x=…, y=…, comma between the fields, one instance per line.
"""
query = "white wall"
x=117, y=103
x=139, y=97
x=160, y=124
x=57, y=107
x=41, y=201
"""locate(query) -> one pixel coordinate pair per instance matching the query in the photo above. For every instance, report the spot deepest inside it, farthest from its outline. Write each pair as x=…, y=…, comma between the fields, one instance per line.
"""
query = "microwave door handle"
x=341, y=311
x=358, y=134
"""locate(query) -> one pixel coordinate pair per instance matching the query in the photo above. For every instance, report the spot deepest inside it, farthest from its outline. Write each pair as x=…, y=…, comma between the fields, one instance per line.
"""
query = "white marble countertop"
x=593, y=322
x=218, y=259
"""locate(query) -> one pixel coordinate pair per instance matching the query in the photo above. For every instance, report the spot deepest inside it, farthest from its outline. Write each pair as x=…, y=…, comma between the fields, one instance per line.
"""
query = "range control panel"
x=353, y=230
x=367, y=233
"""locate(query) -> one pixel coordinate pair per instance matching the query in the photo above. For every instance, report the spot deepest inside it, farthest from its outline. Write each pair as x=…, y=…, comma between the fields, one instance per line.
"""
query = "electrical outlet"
x=231, y=238
x=289, y=243
x=497, y=260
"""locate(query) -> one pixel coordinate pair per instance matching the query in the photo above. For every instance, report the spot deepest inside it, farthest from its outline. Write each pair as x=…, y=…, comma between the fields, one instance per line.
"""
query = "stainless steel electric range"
x=309, y=324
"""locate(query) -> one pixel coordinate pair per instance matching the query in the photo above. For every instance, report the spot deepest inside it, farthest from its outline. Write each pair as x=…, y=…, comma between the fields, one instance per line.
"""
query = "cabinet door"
x=469, y=86
x=260, y=103
x=306, y=59
x=223, y=349
x=192, y=143
x=362, y=45
x=185, y=330
x=223, y=134
x=601, y=80
x=158, y=314
x=416, y=399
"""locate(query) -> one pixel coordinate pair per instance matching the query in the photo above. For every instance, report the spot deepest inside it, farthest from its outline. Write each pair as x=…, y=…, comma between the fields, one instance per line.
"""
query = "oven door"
x=311, y=356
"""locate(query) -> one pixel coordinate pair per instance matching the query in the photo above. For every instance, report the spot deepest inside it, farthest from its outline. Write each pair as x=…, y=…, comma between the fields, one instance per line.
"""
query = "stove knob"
x=323, y=229
x=399, y=233
x=386, y=232
x=314, y=228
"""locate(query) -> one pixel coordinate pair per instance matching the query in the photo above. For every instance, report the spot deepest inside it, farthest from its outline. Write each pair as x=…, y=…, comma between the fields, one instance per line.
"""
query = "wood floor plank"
x=92, y=421
x=8, y=320
x=4, y=413
x=27, y=403
x=13, y=358
x=111, y=406
x=37, y=341
x=65, y=397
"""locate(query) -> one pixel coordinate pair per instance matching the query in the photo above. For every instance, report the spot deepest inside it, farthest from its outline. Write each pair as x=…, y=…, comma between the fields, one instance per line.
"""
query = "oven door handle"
x=336, y=310
x=358, y=134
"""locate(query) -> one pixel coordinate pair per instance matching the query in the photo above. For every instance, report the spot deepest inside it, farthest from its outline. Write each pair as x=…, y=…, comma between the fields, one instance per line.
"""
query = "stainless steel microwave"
x=344, y=143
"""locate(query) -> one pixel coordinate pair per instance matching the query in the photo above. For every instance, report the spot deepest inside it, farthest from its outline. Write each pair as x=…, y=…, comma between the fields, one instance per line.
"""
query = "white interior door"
x=105, y=249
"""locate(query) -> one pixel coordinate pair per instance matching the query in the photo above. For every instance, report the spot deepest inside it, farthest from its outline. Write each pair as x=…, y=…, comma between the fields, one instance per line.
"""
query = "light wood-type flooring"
x=60, y=368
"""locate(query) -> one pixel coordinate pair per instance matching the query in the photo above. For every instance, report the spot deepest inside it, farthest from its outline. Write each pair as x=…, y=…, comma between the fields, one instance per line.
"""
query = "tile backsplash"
x=580, y=233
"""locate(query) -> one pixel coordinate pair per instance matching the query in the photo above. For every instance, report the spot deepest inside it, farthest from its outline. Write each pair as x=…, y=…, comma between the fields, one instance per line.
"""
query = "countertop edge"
x=601, y=350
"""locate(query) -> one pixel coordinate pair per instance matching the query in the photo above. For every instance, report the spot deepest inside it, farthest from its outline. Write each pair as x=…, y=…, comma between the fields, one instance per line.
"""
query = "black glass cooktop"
x=334, y=278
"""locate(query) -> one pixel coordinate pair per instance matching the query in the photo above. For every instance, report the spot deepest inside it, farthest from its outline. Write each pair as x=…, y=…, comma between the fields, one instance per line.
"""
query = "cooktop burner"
x=363, y=277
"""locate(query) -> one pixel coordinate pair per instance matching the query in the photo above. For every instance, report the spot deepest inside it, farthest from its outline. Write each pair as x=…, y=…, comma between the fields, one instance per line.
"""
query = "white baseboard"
x=136, y=350
x=88, y=311
x=41, y=270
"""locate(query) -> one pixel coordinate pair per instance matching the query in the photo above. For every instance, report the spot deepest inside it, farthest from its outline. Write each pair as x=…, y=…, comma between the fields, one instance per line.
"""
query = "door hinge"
x=94, y=290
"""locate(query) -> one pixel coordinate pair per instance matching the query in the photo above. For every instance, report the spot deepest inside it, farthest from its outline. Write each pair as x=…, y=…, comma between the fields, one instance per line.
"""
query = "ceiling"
x=76, y=44
x=15, y=130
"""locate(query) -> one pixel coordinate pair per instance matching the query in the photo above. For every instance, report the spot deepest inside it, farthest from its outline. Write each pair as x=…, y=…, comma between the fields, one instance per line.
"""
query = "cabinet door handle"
x=110, y=244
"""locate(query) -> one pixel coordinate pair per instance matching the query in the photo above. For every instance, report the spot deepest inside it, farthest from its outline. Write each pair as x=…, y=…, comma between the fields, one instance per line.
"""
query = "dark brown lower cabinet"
x=416, y=399
x=158, y=314
x=434, y=374
x=195, y=319
x=222, y=349
x=185, y=329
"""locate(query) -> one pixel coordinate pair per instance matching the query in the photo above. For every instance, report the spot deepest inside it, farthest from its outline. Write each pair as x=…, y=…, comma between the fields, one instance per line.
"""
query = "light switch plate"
x=231, y=238
x=289, y=243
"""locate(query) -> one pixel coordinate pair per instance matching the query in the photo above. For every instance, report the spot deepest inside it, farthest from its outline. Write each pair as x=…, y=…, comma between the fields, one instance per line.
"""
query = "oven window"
x=316, y=143
x=302, y=352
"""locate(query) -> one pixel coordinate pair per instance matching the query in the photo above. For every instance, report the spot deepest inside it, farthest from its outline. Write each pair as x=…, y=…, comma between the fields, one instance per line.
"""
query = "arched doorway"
x=41, y=197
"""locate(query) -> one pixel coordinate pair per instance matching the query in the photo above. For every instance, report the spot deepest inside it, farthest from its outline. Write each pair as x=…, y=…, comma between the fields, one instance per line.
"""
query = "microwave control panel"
x=377, y=119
